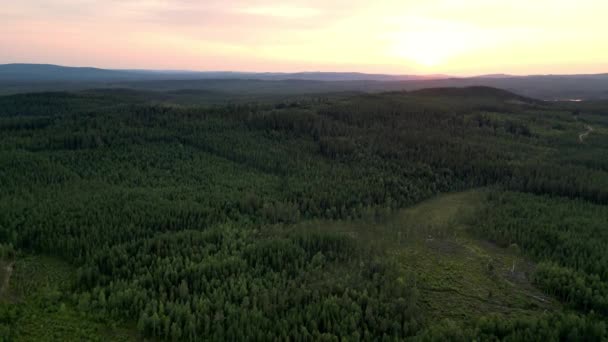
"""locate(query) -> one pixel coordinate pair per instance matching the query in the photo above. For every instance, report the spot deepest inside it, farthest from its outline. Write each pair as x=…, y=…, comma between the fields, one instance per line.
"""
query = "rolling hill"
x=20, y=78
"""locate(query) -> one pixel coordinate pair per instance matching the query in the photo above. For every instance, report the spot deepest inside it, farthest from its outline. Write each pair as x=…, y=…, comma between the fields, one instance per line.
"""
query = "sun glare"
x=431, y=48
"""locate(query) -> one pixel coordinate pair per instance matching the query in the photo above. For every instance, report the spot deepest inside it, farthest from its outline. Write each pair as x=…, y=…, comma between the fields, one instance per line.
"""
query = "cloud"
x=282, y=11
x=450, y=34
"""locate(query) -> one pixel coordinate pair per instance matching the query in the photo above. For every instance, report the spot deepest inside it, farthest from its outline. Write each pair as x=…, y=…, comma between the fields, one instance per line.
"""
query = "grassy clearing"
x=459, y=277
x=36, y=297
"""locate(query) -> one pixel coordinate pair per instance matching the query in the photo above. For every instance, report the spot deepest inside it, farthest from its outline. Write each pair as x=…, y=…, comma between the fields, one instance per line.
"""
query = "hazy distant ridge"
x=18, y=78
x=49, y=72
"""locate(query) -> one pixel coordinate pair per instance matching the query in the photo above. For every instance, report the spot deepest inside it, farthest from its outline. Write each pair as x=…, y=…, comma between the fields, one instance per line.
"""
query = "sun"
x=430, y=48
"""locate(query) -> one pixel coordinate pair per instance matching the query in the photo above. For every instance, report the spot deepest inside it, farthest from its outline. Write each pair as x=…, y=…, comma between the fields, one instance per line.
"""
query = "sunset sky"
x=458, y=37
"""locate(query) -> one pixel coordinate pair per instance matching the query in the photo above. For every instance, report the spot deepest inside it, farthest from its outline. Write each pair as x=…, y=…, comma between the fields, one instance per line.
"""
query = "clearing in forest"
x=583, y=135
x=42, y=312
x=459, y=276
x=6, y=270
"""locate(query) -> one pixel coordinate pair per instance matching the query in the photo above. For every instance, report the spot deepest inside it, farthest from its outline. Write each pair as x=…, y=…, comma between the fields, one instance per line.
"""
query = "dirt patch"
x=8, y=272
x=583, y=135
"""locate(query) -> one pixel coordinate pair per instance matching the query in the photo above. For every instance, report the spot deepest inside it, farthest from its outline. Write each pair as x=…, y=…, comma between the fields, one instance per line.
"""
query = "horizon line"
x=437, y=75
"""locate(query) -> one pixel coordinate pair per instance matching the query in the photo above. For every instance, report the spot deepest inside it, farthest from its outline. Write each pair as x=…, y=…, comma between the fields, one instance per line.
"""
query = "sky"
x=455, y=37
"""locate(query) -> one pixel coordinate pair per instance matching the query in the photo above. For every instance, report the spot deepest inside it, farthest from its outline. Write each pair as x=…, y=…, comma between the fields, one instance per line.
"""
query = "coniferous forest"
x=128, y=215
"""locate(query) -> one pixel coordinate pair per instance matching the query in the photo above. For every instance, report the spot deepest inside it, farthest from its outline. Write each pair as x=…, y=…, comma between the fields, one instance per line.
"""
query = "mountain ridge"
x=20, y=78
x=52, y=72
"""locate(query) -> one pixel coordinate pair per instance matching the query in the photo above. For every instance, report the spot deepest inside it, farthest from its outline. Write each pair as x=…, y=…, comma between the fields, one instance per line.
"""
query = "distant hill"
x=49, y=72
x=467, y=91
x=19, y=78
x=494, y=76
x=474, y=92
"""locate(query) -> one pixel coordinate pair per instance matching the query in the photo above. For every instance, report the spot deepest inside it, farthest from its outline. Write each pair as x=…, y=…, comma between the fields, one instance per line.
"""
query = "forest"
x=139, y=215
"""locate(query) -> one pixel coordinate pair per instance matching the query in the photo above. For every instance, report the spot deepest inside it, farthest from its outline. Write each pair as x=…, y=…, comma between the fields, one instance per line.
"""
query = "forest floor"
x=583, y=135
x=458, y=275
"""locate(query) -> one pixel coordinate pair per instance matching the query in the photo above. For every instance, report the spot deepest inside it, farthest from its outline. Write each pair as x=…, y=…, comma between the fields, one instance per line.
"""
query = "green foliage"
x=546, y=327
x=568, y=236
x=172, y=213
